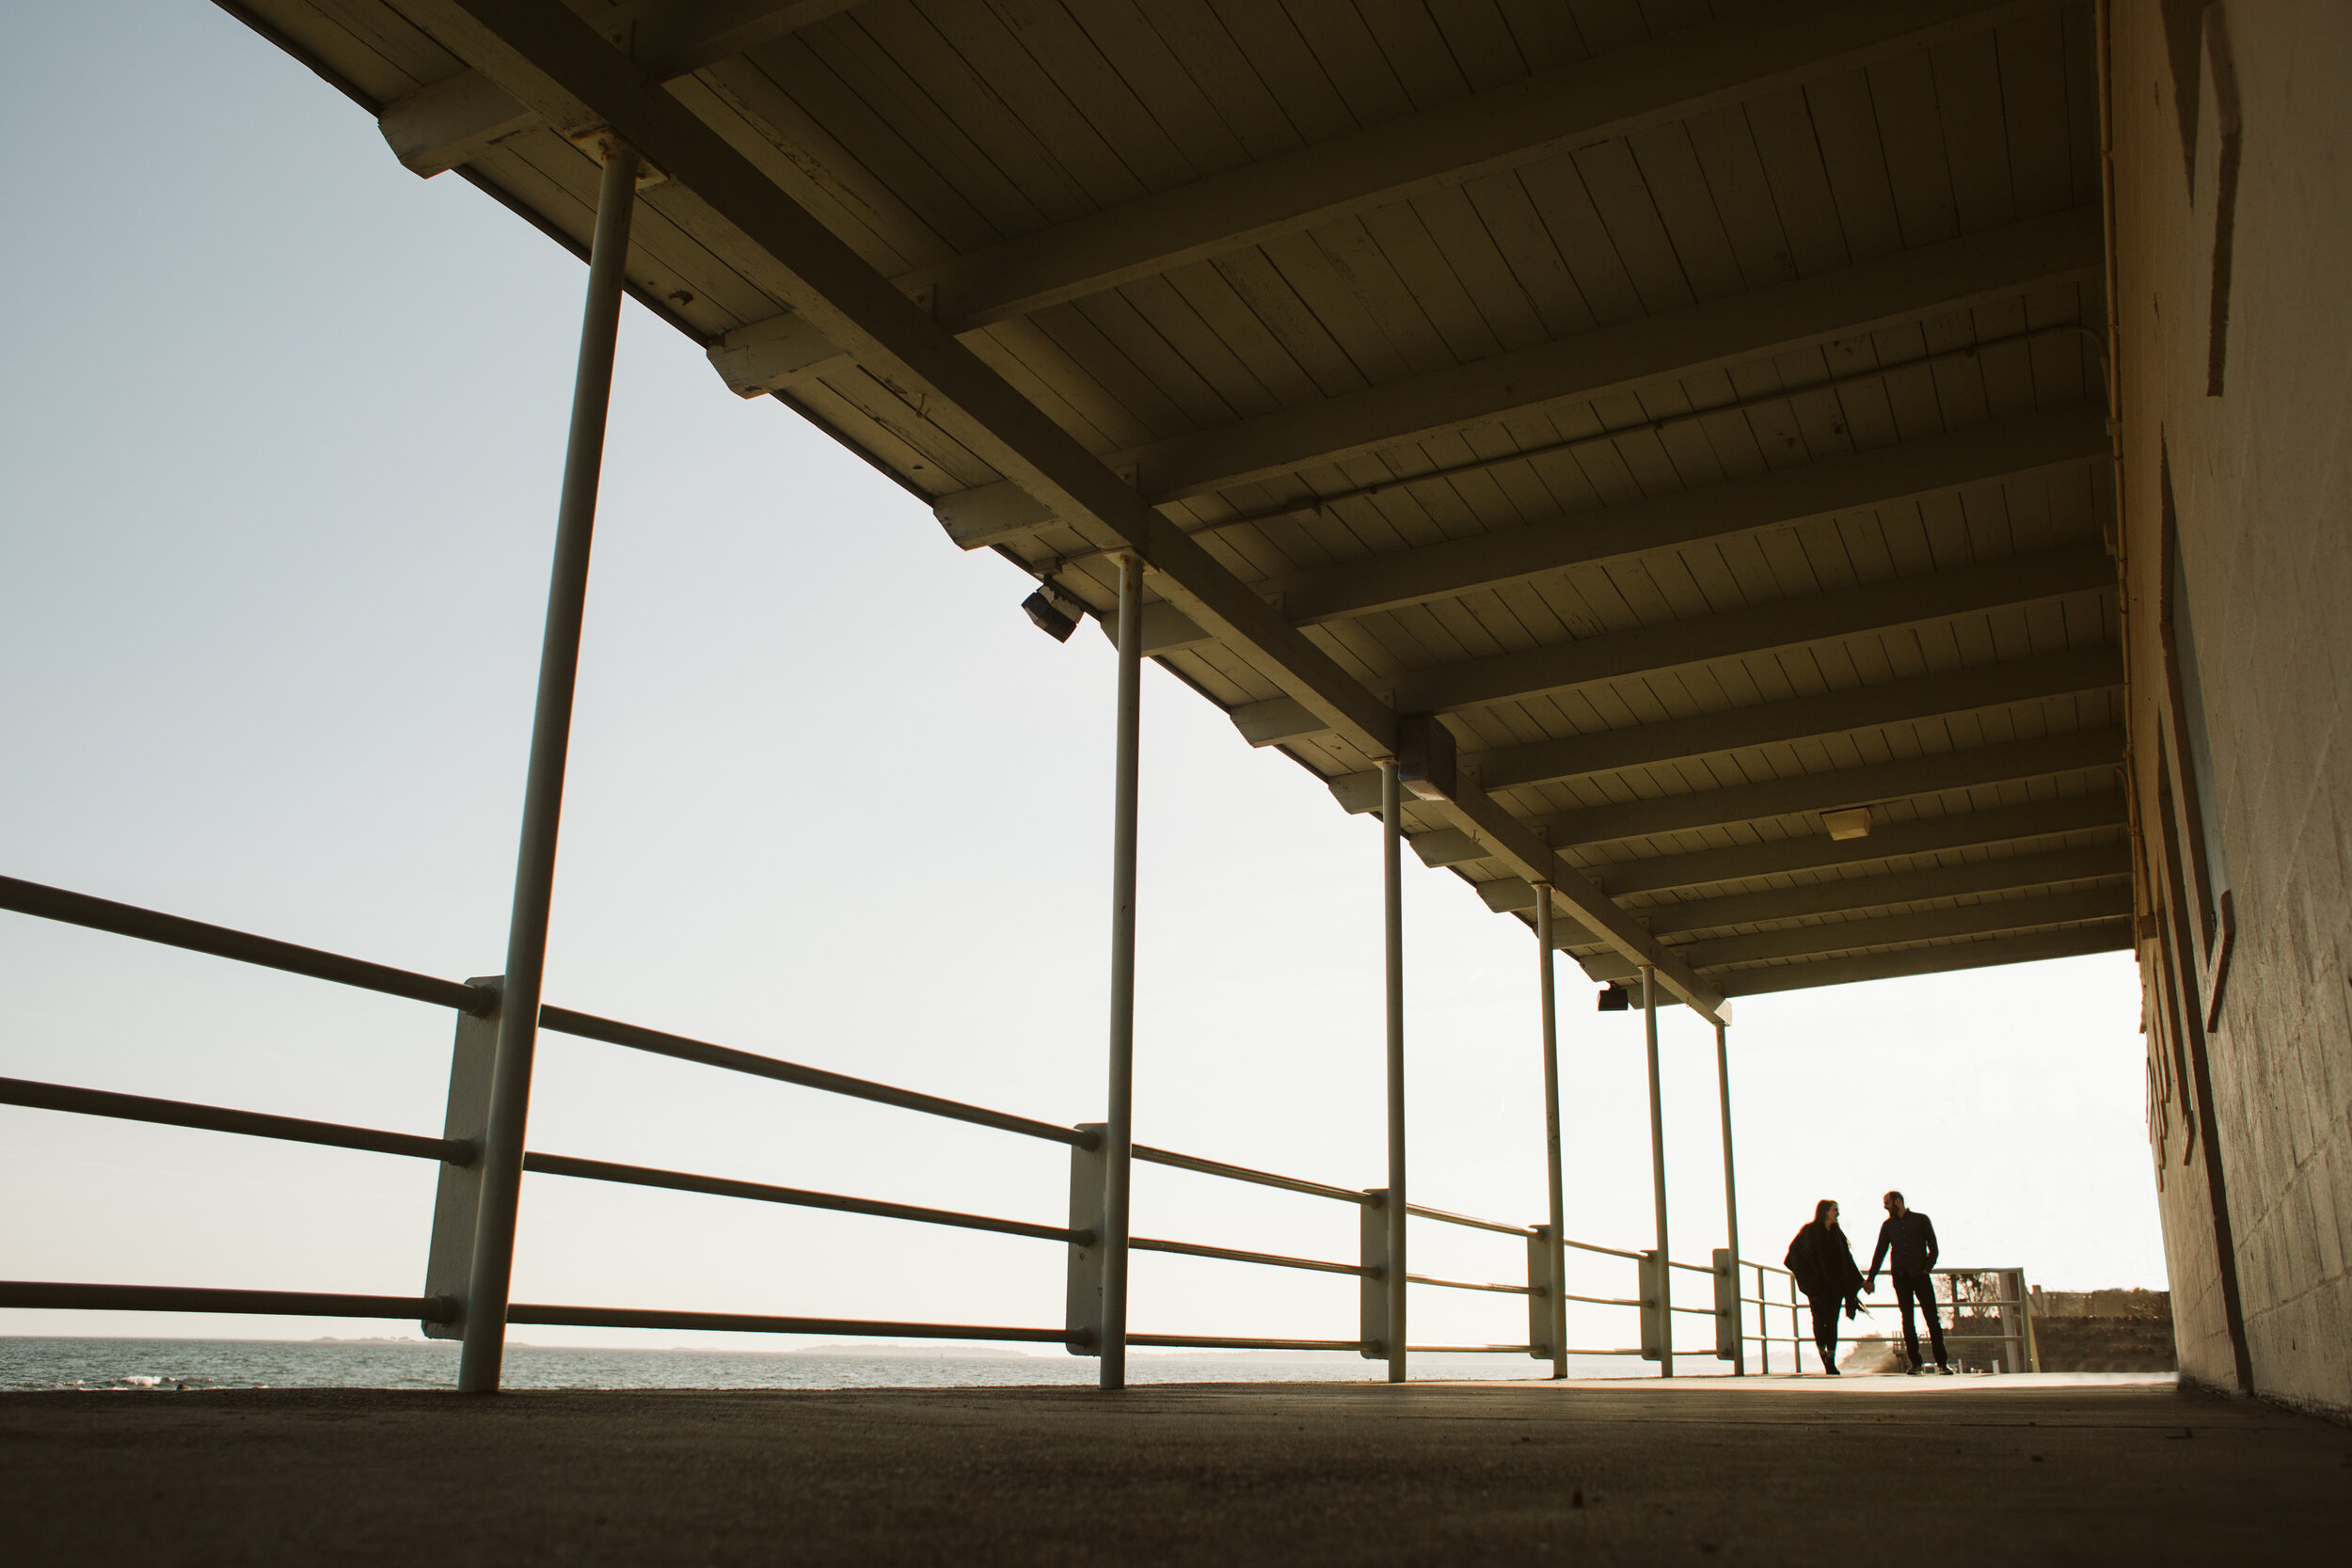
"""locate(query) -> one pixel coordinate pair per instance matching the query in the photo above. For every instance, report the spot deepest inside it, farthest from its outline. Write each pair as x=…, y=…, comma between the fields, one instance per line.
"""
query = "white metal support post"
x=1556, y=1244
x=1731, y=1209
x=1658, y=1178
x=493, y=1266
x=1392, y=927
x=1118, y=1131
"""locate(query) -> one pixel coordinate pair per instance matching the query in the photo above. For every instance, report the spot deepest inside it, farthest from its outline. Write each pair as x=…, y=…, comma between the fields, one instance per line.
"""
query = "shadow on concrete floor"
x=1782, y=1471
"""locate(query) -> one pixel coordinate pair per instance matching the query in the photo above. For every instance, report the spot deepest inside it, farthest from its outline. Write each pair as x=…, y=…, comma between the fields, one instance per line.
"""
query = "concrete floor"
x=1771, y=1471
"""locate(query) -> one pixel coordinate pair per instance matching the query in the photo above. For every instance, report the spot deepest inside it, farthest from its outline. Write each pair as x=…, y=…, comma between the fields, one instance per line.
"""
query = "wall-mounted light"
x=1053, y=613
x=1615, y=999
x=1853, y=822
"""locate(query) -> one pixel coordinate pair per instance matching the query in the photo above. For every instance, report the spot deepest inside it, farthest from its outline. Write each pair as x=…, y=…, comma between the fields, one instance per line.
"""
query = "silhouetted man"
x=1911, y=1236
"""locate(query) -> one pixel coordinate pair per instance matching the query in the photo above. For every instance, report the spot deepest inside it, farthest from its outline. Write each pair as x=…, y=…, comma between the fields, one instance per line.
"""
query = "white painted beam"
x=991, y=515
x=1975, y=269
x=1447, y=846
x=769, y=356
x=1166, y=630
x=1780, y=499
x=456, y=120
x=1763, y=50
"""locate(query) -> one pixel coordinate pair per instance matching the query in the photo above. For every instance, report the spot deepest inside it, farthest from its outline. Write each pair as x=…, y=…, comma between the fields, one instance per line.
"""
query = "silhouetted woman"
x=1825, y=1272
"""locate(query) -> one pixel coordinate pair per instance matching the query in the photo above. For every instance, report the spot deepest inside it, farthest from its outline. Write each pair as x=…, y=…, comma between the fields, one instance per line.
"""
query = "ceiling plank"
x=1716, y=334
x=2069, y=753
x=1844, y=894
x=1963, y=829
x=1778, y=498
x=1577, y=105
x=1787, y=623
x=2105, y=936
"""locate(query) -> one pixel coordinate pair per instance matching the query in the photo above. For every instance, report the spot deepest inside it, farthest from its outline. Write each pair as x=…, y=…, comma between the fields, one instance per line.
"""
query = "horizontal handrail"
x=752, y=1323
x=1463, y=1285
x=1243, y=1173
x=1694, y=1311
x=1421, y=1211
x=1604, y=1301
x=1627, y=1350
x=1691, y=1267
x=1233, y=1255
x=1213, y=1341
x=720, y=1186
x=188, y=1298
x=220, y=1119
x=221, y=942
x=659, y=1043
x=1604, y=1251
x=1470, y=1350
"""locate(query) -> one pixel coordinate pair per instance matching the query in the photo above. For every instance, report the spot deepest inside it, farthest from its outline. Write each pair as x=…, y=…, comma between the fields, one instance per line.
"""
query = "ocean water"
x=124, y=1365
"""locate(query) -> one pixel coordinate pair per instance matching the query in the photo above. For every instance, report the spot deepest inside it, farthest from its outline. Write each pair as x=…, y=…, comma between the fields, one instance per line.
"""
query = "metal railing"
x=441, y=1307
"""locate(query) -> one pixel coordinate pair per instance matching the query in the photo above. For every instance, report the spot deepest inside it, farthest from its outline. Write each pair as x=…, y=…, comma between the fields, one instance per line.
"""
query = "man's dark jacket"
x=1823, y=1263
x=1912, y=1239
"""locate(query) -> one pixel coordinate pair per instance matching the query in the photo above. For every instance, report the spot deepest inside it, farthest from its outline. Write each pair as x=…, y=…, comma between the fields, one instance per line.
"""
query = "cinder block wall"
x=2260, y=471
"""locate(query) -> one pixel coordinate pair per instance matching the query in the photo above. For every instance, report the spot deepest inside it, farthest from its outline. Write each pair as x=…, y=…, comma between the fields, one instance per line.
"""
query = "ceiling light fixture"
x=1853, y=822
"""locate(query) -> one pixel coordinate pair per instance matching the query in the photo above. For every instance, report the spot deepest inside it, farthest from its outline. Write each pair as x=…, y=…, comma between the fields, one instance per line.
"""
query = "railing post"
x=1548, y=1298
x=1392, y=927
x=1737, y=1354
x=1372, y=1339
x=457, y=1201
x=1119, y=1129
x=1651, y=1291
x=491, y=1271
x=1657, y=1177
x=1763, y=1325
x=1083, y=1313
x=1727, y=1323
x=1556, y=1267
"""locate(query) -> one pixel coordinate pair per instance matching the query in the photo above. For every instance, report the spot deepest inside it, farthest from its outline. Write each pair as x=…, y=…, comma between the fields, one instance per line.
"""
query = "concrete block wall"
x=2259, y=473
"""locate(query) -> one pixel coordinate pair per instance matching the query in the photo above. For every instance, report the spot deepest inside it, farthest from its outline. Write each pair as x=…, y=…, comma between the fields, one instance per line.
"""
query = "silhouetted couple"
x=1823, y=1265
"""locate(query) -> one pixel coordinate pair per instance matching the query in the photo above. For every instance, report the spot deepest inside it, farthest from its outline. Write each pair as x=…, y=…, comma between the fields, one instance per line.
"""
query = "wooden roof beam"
x=2105, y=936
x=1780, y=499
x=1736, y=634
x=1952, y=691
x=1569, y=373
x=1581, y=104
x=457, y=119
x=2070, y=751
x=548, y=59
x=1994, y=917
x=1845, y=894
x=1814, y=852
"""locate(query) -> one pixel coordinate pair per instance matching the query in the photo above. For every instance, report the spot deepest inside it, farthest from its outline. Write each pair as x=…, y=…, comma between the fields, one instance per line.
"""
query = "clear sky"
x=281, y=430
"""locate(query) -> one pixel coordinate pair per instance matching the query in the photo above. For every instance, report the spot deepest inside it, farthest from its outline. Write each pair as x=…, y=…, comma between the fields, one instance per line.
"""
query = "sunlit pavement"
x=1783, y=1469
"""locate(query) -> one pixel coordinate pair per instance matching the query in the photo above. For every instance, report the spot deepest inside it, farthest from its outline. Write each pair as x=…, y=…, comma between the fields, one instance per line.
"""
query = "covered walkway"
x=2006, y=1470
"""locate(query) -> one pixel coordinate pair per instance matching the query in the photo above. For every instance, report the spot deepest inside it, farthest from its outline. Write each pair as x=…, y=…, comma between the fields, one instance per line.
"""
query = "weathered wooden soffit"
x=1674, y=430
